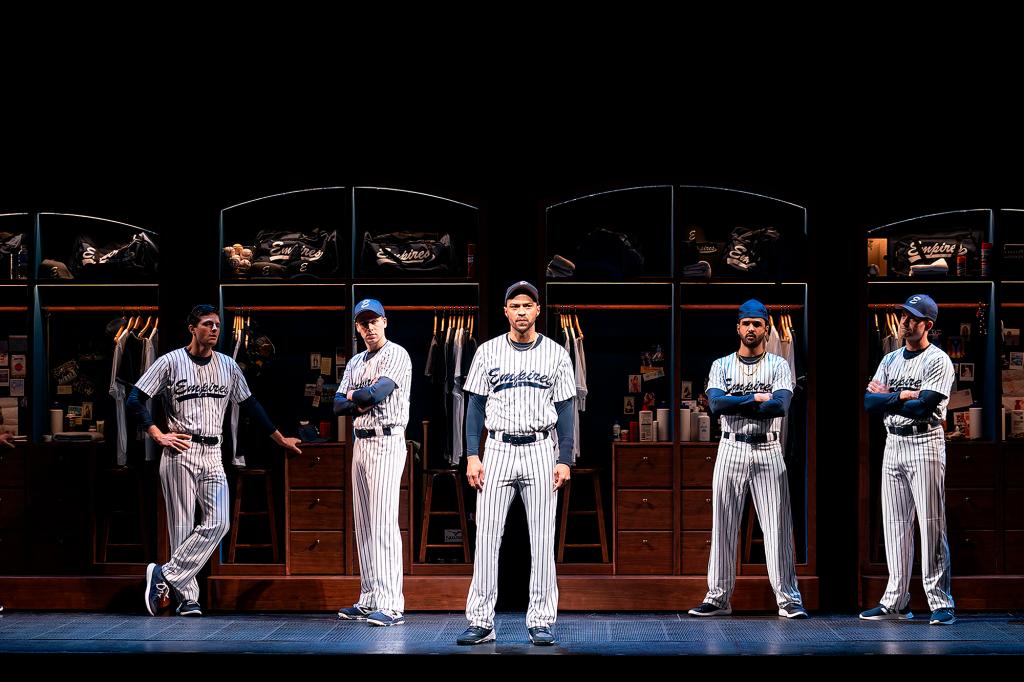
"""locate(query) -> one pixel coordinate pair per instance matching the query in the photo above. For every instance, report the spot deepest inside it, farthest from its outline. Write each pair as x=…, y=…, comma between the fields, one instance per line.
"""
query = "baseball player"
x=196, y=384
x=911, y=389
x=750, y=391
x=375, y=389
x=522, y=388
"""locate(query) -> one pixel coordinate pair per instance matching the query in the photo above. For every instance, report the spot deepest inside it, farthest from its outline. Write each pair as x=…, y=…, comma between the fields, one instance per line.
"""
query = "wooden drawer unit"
x=12, y=507
x=643, y=466
x=970, y=508
x=316, y=552
x=1014, y=509
x=1015, y=552
x=1014, y=476
x=11, y=550
x=317, y=467
x=698, y=465
x=696, y=548
x=643, y=553
x=12, y=469
x=644, y=509
x=973, y=552
x=971, y=466
x=316, y=509
x=697, y=509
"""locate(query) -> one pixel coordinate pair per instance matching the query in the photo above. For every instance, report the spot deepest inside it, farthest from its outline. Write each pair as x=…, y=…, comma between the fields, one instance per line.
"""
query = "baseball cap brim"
x=914, y=313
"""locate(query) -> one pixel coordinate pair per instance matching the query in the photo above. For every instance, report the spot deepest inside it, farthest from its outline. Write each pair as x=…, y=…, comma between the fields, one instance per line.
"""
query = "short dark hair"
x=201, y=310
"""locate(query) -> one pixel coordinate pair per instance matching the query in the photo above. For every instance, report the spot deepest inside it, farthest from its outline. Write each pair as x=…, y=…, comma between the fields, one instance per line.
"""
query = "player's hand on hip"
x=475, y=471
x=179, y=442
x=562, y=474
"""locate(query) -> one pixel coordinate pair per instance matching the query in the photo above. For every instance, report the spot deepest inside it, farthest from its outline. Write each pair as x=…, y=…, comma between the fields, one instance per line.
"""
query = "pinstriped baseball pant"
x=377, y=465
x=914, y=484
x=761, y=469
x=188, y=478
x=528, y=468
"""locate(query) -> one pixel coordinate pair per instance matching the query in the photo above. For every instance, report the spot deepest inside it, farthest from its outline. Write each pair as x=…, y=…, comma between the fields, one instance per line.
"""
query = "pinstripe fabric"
x=458, y=400
x=196, y=397
x=149, y=345
x=195, y=476
x=198, y=394
x=758, y=468
x=507, y=468
x=730, y=375
x=391, y=361
x=913, y=483
x=377, y=465
x=522, y=388
x=930, y=370
x=117, y=392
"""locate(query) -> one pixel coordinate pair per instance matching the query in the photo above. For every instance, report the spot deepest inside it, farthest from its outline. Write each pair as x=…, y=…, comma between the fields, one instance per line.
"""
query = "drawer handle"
x=645, y=459
x=642, y=501
x=316, y=459
x=967, y=458
x=707, y=500
x=314, y=503
x=644, y=542
x=707, y=542
x=708, y=458
x=967, y=500
x=316, y=543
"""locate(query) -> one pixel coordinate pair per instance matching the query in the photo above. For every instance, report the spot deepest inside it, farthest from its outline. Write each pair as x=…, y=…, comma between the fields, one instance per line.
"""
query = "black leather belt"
x=515, y=439
x=752, y=437
x=205, y=440
x=911, y=429
x=370, y=433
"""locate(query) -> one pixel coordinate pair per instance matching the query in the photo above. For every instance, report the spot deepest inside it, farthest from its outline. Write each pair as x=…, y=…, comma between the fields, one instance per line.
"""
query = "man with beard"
x=750, y=392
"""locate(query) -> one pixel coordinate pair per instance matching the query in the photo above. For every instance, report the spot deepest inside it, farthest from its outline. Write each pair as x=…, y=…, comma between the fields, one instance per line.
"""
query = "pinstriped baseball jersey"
x=729, y=374
x=929, y=370
x=365, y=369
x=196, y=395
x=522, y=387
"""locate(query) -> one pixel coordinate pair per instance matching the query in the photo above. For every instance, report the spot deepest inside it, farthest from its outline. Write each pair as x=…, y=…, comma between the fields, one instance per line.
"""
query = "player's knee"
x=220, y=528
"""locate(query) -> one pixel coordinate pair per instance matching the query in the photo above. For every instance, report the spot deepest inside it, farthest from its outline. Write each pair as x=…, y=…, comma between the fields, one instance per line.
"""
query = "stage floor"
x=593, y=634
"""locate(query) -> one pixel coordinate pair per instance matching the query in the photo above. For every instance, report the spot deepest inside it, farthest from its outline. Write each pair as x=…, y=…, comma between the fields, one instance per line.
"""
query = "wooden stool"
x=429, y=477
x=237, y=514
x=598, y=511
x=124, y=497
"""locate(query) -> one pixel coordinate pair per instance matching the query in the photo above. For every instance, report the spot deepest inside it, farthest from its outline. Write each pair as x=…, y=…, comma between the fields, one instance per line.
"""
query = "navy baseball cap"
x=753, y=308
x=522, y=287
x=368, y=305
x=922, y=306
